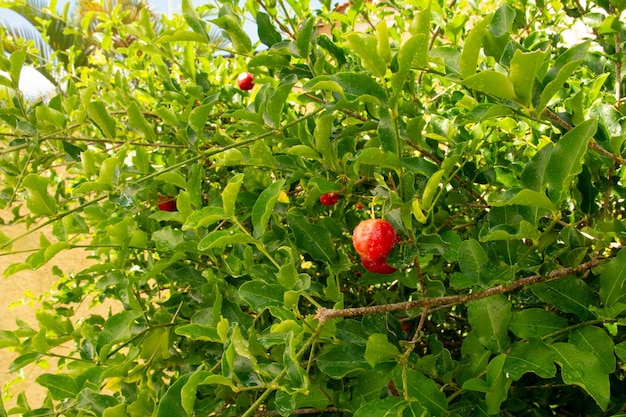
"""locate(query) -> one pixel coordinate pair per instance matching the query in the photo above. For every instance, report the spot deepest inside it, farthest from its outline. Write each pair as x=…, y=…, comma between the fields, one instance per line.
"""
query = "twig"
x=325, y=314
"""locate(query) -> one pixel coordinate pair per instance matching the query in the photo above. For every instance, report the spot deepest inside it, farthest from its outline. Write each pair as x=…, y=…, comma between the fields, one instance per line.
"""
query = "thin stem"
x=325, y=314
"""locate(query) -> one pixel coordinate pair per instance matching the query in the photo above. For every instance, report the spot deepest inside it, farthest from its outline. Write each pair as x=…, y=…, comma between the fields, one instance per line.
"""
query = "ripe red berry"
x=245, y=81
x=167, y=203
x=378, y=266
x=329, y=199
x=373, y=238
x=359, y=206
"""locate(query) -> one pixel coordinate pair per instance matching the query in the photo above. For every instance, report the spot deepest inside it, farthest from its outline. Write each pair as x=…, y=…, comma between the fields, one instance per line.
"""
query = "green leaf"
x=260, y=295
x=173, y=177
x=492, y=83
x=354, y=86
x=311, y=238
x=59, y=386
x=193, y=19
x=432, y=186
x=97, y=403
x=364, y=45
x=498, y=383
x=582, y=369
x=569, y=294
x=17, y=59
x=137, y=121
x=425, y=391
x=385, y=407
x=563, y=68
x=414, y=51
x=523, y=71
x=530, y=356
x=596, y=341
x=264, y=206
x=266, y=31
x=612, y=289
x=489, y=318
x=471, y=49
x=567, y=158
x=535, y=322
x=620, y=350
x=304, y=37
x=97, y=111
x=343, y=359
x=230, y=193
x=276, y=102
x=378, y=349
x=377, y=157
x=204, y=217
x=387, y=132
x=168, y=238
x=170, y=405
x=196, y=331
x=237, y=35
x=118, y=328
x=221, y=238
x=528, y=197
x=38, y=201
x=322, y=135
x=472, y=259
x=198, y=118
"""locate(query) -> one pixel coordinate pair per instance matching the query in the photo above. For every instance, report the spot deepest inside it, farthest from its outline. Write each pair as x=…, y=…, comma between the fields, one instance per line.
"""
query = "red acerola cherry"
x=373, y=238
x=329, y=199
x=378, y=266
x=167, y=203
x=245, y=81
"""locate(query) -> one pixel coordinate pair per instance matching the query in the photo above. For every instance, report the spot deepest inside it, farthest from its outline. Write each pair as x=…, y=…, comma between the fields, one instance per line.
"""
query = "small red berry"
x=378, y=266
x=329, y=199
x=373, y=238
x=245, y=81
x=167, y=203
x=359, y=206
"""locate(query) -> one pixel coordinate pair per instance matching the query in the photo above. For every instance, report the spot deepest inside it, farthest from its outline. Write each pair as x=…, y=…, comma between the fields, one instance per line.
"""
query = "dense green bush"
x=490, y=138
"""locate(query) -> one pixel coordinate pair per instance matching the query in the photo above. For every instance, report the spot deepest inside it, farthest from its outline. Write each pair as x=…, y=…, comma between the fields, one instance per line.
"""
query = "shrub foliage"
x=492, y=139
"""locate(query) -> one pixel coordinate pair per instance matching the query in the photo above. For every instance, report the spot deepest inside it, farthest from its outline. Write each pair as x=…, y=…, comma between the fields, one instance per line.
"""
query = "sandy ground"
x=19, y=298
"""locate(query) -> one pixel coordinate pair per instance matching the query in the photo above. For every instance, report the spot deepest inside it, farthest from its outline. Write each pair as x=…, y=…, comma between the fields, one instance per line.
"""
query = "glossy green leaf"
x=563, y=68
x=570, y=294
x=38, y=200
x=489, y=318
x=205, y=216
x=343, y=359
x=378, y=157
x=378, y=349
x=471, y=48
x=530, y=356
x=385, y=407
x=170, y=405
x=414, y=51
x=430, y=191
x=567, y=158
x=364, y=45
x=535, y=323
x=117, y=328
x=355, y=86
x=311, y=238
x=472, y=259
x=612, y=280
x=198, y=118
x=322, y=135
x=304, y=37
x=266, y=31
x=60, y=386
x=97, y=403
x=499, y=384
x=582, y=369
x=237, y=35
x=426, y=392
x=596, y=341
x=230, y=193
x=276, y=103
x=137, y=121
x=491, y=83
x=17, y=60
x=97, y=111
x=264, y=206
x=531, y=198
x=523, y=71
x=221, y=238
x=260, y=295
x=193, y=19
x=387, y=132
